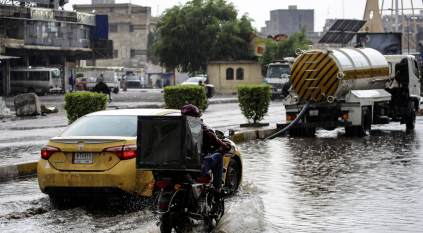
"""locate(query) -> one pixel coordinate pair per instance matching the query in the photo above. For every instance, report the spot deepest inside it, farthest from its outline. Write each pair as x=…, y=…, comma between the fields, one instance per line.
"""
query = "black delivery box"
x=169, y=143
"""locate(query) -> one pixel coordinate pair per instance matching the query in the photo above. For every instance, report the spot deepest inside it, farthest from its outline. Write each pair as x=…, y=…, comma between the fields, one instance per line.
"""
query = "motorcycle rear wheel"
x=218, y=209
x=166, y=223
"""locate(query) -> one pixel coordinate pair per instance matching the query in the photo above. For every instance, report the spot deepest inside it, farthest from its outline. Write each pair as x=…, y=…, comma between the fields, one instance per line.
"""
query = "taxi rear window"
x=125, y=126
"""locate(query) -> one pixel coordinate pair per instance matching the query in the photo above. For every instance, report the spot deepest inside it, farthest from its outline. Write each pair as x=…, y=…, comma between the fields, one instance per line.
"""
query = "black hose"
x=294, y=122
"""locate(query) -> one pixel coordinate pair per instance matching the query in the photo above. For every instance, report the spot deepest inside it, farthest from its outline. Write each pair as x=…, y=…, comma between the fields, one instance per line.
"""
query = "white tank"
x=321, y=73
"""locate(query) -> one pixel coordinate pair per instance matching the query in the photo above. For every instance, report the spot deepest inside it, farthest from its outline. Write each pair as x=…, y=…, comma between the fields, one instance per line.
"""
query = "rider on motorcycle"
x=214, y=161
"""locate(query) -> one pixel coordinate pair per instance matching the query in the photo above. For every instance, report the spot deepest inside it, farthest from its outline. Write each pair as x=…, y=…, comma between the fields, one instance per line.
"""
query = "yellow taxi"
x=96, y=155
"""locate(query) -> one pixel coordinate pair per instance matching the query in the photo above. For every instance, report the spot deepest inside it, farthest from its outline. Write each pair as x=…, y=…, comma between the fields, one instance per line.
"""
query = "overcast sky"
x=259, y=10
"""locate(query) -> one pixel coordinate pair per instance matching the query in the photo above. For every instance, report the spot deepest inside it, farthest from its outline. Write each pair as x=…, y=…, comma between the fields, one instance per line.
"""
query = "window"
x=229, y=74
x=136, y=52
x=113, y=28
x=115, y=54
x=14, y=76
x=34, y=76
x=131, y=28
x=55, y=74
x=240, y=74
x=124, y=126
x=390, y=68
x=415, y=69
x=44, y=76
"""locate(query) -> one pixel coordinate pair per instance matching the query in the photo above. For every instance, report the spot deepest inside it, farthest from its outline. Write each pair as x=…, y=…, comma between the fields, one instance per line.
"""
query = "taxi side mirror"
x=220, y=134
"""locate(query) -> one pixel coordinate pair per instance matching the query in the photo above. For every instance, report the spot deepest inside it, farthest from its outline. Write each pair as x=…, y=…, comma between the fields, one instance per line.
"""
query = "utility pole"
x=396, y=15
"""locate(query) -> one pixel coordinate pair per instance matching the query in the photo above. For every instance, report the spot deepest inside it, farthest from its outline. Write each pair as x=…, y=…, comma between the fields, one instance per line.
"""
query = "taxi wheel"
x=232, y=176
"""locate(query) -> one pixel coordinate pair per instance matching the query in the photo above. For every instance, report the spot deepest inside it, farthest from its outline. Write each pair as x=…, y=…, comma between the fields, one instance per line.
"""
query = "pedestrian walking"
x=101, y=87
x=72, y=83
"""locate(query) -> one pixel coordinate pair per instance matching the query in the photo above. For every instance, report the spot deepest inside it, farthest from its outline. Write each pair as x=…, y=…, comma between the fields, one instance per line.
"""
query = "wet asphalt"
x=326, y=183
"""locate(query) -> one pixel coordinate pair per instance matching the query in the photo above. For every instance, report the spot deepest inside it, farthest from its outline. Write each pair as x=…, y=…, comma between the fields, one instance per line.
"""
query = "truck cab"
x=278, y=73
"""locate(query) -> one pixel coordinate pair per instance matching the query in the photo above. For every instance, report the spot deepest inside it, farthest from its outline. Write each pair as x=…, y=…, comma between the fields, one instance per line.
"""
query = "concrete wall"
x=216, y=75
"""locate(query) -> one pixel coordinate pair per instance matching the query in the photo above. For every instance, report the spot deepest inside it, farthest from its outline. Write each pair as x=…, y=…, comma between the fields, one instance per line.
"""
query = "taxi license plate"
x=85, y=158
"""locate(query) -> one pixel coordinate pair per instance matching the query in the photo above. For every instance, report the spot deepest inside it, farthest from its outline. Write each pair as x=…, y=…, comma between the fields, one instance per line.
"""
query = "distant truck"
x=278, y=73
x=110, y=79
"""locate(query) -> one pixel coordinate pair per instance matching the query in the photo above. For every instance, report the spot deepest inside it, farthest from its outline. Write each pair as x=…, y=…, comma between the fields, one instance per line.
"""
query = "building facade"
x=129, y=25
x=288, y=21
x=227, y=75
x=44, y=37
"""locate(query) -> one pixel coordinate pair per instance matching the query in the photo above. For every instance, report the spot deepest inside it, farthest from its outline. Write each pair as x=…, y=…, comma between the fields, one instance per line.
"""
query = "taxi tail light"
x=162, y=184
x=46, y=151
x=123, y=152
x=129, y=152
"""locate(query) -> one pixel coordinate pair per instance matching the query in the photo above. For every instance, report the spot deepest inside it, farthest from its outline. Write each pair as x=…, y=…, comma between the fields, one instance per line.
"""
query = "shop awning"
x=159, y=73
x=3, y=57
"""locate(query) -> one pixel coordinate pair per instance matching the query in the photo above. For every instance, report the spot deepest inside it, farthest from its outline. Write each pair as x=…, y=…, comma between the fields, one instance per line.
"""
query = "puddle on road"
x=21, y=213
x=328, y=183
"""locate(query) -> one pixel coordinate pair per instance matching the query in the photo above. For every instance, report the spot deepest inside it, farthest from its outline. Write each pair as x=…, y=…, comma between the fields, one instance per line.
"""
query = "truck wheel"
x=116, y=90
x=366, y=123
x=411, y=122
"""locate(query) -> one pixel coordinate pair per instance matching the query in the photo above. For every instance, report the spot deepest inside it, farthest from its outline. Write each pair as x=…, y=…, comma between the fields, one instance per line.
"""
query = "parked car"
x=95, y=157
x=111, y=82
x=133, y=81
x=81, y=81
x=194, y=81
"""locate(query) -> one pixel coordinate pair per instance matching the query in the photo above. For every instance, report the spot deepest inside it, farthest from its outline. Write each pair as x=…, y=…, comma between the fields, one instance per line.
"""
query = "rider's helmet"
x=190, y=110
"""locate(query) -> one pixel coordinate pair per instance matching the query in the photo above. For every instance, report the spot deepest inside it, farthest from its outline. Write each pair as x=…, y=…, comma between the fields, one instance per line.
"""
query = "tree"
x=284, y=48
x=201, y=31
x=153, y=37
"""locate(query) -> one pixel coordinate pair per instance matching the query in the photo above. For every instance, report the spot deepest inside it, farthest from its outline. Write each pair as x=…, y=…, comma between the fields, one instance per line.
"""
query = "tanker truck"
x=353, y=88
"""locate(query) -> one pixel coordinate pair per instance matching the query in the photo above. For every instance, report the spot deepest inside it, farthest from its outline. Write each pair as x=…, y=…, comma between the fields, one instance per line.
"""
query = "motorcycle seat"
x=208, y=178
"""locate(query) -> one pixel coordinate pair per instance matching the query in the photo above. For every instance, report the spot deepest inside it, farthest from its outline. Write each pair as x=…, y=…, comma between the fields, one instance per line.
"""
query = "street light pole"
x=408, y=35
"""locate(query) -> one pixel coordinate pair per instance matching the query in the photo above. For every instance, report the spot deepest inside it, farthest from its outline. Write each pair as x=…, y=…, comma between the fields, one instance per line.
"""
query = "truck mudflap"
x=328, y=124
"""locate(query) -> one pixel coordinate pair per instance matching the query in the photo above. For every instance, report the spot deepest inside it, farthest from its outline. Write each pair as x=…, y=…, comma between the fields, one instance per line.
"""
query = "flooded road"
x=328, y=183
x=334, y=183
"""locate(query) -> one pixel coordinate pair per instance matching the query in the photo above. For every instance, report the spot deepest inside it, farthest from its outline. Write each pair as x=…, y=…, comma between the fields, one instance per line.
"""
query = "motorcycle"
x=184, y=200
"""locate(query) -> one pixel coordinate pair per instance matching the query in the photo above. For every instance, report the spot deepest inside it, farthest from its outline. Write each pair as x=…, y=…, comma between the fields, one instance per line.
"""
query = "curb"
x=18, y=170
x=162, y=105
x=252, y=135
x=25, y=169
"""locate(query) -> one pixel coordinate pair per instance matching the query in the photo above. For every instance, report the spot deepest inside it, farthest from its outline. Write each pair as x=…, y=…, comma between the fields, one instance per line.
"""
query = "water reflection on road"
x=334, y=183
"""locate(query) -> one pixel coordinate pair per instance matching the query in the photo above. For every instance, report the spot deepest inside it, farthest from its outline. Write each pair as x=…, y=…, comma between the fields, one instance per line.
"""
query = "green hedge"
x=79, y=75
x=176, y=97
x=254, y=101
x=78, y=104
